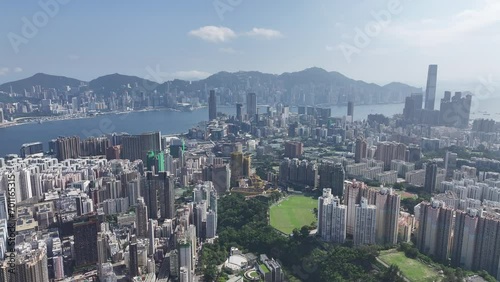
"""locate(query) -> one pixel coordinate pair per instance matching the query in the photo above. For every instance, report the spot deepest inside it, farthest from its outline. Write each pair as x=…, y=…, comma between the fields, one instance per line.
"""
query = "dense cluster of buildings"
x=366, y=215
x=93, y=213
x=106, y=206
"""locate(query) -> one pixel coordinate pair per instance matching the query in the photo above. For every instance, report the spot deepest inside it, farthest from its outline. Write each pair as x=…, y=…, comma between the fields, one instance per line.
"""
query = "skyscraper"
x=332, y=218
x=68, y=148
x=247, y=165
x=133, y=258
x=294, y=149
x=236, y=167
x=388, y=151
x=338, y=177
x=450, y=163
x=487, y=250
x=365, y=223
x=435, y=229
x=430, y=90
x=251, y=105
x=350, y=111
x=430, y=177
x=102, y=251
x=221, y=178
x=361, y=150
x=239, y=114
x=141, y=218
x=455, y=111
x=388, y=204
x=464, y=238
x=85, y=233
x=185, y=258
x=212, y=106
x=1, y=116
x=151, y=237
x=413, y=107
x=136, y=147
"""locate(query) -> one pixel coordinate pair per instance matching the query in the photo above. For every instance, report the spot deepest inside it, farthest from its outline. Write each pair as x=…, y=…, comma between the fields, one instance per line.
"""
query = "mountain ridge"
x=239, y=80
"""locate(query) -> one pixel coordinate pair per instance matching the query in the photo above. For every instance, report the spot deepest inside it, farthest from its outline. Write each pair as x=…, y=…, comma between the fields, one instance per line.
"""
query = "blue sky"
x=192, y=39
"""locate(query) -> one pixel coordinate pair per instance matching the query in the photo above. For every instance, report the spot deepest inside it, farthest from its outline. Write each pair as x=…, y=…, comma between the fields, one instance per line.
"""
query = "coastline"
x=72, y=117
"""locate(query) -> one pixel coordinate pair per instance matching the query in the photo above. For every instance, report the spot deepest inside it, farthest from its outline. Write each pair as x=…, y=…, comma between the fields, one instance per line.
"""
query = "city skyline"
x=219, y=36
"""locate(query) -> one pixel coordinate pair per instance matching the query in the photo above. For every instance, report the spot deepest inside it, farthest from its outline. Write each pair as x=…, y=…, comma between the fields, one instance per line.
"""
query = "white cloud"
x=190, y=75
x=18, y=69
x=214, y=34
x=73, y=57
x=329, y=48
x=4, y=70
x=426, y=33
x=229, y=50
x=264, y=33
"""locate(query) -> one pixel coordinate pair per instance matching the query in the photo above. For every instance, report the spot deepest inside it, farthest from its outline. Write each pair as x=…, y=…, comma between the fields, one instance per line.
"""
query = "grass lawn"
x=412, y=269
x=293, y=212
x=254, y=274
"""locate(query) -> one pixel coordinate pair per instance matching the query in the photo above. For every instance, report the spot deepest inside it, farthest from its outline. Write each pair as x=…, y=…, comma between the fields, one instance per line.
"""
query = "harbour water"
x=168, y=122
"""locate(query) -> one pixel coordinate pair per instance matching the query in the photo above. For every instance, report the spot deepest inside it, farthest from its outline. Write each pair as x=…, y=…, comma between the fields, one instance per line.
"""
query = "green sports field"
x=412, y=269
x=293, y=212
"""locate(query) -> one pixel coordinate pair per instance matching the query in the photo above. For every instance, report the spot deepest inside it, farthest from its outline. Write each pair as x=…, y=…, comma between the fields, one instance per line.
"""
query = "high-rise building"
x=388, y=204
x=185, y=258
x=68, y=148
x=450, y=163
x=332, y=175
x=136, y=147
x=352, y=197
x=221, y=178
x=236, y=167
x=388, y=151
x=487, y=250
x=455, y=111
x=247, y=165
x=133, y=257
x=158, y=193
x=350, y=111
x=361, y=150
x=211, y=224
x=251, y=105
x=1, y=116
x=430, y=90
x=435, y=229
x=85, y=237
x=102, y=250
x=413, y=107
x=30, y=266
x=212, y=105
x=141, y=218
x=294, y=149
x=31, y=149
x=332, y=218
x=365, y=223
x=94, y=146
x=151, y=237
x=113, y=153
x=239, y=113
x=464, y=238
x=431, y=172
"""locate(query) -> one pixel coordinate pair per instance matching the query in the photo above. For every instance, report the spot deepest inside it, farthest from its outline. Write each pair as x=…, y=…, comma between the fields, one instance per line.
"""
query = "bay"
x=168, y=122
